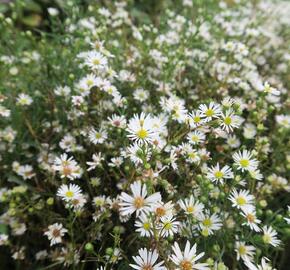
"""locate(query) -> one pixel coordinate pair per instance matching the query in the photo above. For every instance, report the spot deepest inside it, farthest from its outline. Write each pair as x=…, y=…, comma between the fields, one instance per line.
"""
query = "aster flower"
x=229, y=120
x=97, y=136
x=265, y=265
x=187, y=260
x=140, y=129
x=69, y=192
x=252, y=220
x=196, y=137
x=55, y=233
x=270, y=236
x=210, y=111
x=244, y=252
x=139, y=202
x=97, y=159
x=217, y=174
x=244, y=161
x=168, y=226
x=147, y=260
x=191, y=206
x=209, y=223
x=242, y=200
x=144, y=225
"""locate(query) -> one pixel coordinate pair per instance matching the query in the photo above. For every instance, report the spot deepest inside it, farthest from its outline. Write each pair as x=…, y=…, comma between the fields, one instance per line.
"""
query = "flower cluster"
x=148, y=140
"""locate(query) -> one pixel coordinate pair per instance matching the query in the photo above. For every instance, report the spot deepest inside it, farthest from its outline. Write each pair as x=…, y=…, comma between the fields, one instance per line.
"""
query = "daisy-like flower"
x=196, y=137
x=252, y=220
x=191, y=206
x=271, y=90
x=244, y=252
x=187, y=260
x=118, y=121
x=97, y=159
x=139, y=202
x=55, y=233
x=244, y=160
x=270, y=236
x=97, y=136
x=168, y=226
x=67, y=167
x=144, y=225
x=141, y=130
x=195, y=119
x=265, y=265
x=69, y=192
x=217, y=174
x=146, y=260
x=209, y=223
x=24, y=99
x=163, y=209
x=138, y=154
x=229, y=120
x=242, y=200
x=95, y=60
x=210, y=111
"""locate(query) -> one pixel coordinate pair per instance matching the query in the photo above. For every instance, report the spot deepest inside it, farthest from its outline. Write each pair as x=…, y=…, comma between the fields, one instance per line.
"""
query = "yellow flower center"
x=266, y=238
x=142, y=133
x=196, y=119
x=167, y=225
x=209, y=112
x=146, y=226
x=207, y=222
x=190, y=209
x=194, y=138
x=69, y=194
x=219, y=174
x=90, y=82
x=185, y=265
x=98, y=135
x=241, y=200
x=96, y=61
x=244, y=163
x=227, y=120
x=242, y=250
x=139, y=202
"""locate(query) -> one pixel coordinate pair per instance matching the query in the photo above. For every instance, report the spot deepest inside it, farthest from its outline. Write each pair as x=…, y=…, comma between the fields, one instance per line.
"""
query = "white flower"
x=195, y=119
x=250, y=131
x=244, y=251
x=67, y=167
x=209, y=223
x=69, y=192
x=270, y=236
x=229, y=120
x=244, y=160
x=144, y=225
x=24, y=99
x=252, y=220
x=242, y=200
x=55, y=233
x=95, y=60
x=168, y=226
x=97, y=159
x=263, y=266
x=118, y=121
x=141, y=130
x=139, y=202
x=217, y=174
x=187, y=260
x=191, y=207
x=210, y=111
x=97, y=137
x=196, y=137
x=271, y=90
x=146, y=260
